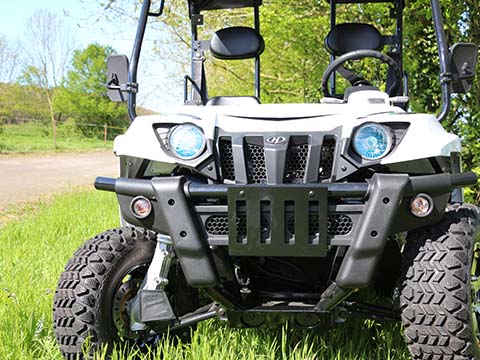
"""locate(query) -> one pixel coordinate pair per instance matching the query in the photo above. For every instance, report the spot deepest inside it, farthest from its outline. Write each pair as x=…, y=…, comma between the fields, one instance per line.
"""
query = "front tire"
x=439, y=291
x=90, y=303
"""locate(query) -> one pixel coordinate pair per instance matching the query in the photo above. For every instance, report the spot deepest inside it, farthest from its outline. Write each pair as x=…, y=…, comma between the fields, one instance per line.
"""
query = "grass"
x=36, y=137
x=35, y=248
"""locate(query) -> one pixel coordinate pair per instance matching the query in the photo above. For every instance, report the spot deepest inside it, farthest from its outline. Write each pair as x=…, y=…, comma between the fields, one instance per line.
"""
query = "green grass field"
x=35, y=248
x=35, y=137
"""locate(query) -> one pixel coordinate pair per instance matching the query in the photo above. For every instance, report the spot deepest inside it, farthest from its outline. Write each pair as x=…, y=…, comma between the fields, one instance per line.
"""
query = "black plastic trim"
x=386, y=191
x=172, y=214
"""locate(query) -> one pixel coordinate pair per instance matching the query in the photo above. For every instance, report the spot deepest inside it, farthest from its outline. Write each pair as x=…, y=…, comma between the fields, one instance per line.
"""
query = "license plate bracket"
x=278, y=221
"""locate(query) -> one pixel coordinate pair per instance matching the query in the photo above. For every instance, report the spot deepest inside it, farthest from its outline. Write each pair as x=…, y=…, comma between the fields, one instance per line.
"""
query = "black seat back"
x=236, y=43
x=348, y=37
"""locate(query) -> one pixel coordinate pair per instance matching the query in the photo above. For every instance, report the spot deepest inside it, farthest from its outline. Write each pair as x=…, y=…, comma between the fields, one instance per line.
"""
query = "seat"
x=236, y=43
x=348, y=37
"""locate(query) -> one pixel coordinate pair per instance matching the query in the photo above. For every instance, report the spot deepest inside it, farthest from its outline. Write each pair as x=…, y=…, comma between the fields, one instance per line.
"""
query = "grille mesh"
x=296, y=164
x=226, y=156
x=256, y=170
x=218, y=225
x=326, y=159
x=337, y=225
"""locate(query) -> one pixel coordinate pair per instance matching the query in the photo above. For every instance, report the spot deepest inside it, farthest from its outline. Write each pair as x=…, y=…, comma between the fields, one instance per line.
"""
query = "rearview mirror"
x=117, y=67
x=463, y=59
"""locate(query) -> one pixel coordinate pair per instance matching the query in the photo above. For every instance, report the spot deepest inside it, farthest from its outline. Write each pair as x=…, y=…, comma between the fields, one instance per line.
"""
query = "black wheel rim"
x=125, y=291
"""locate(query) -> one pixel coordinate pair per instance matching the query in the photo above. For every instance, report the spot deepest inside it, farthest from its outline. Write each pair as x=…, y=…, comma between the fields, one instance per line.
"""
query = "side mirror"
x=463, y=59
x=117, y=67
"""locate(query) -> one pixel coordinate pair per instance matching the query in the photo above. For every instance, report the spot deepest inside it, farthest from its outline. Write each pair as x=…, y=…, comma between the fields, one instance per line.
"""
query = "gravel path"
x=26, y=178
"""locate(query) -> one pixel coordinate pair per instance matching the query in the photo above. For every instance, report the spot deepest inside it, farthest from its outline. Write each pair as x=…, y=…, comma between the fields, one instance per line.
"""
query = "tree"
x=48, y=49
x=10, y=60
x=22, y=102
x=83, y=97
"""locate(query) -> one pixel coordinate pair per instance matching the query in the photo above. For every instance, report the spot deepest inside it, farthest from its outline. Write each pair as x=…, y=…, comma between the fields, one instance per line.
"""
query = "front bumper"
x=379, y=207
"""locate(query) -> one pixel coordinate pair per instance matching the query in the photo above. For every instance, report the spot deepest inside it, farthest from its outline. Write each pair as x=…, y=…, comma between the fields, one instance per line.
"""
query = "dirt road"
x=26, y=178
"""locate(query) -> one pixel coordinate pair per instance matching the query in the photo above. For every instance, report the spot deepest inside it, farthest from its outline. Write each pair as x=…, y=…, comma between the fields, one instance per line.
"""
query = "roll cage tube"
x=444, y=56
x=137, y=48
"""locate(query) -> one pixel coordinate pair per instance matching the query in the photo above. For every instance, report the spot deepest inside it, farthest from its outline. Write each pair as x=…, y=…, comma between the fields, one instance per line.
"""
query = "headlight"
x=372, y=141
x=186, y=141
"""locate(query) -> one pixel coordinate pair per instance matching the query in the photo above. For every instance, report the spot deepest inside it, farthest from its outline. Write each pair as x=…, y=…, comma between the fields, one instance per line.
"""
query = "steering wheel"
x=336, y=65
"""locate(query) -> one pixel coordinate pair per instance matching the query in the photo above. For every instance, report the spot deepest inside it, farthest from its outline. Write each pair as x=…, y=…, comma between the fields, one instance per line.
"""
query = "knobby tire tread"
x=77, y=298
x=435, y=291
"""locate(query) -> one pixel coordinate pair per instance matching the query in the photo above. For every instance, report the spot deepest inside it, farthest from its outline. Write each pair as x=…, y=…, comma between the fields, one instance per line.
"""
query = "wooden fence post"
x=54, y=123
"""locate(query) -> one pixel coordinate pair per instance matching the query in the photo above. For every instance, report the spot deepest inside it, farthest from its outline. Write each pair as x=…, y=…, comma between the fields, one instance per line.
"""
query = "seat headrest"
x=348, y=37
x=236, y=43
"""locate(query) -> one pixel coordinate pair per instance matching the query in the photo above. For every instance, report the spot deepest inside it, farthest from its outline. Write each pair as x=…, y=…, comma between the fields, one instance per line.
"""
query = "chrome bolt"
x=311, y=193
x=221, y=311
x=242, y=193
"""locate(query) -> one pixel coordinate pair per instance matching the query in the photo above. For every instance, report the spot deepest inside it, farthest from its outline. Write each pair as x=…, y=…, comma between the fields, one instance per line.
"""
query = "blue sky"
x=79, y=15
x=14, y=14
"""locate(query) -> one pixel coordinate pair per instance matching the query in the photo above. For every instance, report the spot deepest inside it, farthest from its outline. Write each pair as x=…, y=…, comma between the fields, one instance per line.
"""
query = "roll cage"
x=456, y=64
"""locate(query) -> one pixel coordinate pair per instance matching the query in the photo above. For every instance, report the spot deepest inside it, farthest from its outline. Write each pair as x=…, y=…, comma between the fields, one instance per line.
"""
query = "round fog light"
x=141, y=207
x=421, y=205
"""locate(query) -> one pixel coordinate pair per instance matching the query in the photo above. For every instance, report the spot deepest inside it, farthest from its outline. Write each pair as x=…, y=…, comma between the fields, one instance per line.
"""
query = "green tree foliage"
x=22, y=102
x=83, y=97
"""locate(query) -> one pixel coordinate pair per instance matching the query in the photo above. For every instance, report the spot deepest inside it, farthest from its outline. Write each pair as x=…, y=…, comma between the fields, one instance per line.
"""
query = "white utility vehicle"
x=281, y=212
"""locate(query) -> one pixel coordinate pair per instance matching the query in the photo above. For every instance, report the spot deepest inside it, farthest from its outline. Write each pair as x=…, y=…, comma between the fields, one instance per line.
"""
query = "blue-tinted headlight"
x=372, y=141
x=186, y=141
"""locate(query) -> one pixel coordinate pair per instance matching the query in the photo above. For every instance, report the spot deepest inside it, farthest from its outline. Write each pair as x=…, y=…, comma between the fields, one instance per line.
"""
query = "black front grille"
x=256, y=168
x=297, y=168
x=338, y=224
x=296, y=164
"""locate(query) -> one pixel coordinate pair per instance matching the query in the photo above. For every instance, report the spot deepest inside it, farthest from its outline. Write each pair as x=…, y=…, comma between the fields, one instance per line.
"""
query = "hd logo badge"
x=276, y=140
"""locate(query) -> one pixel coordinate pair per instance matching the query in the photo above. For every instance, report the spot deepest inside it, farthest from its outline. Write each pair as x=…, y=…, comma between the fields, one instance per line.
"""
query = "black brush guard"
x=386, y=198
